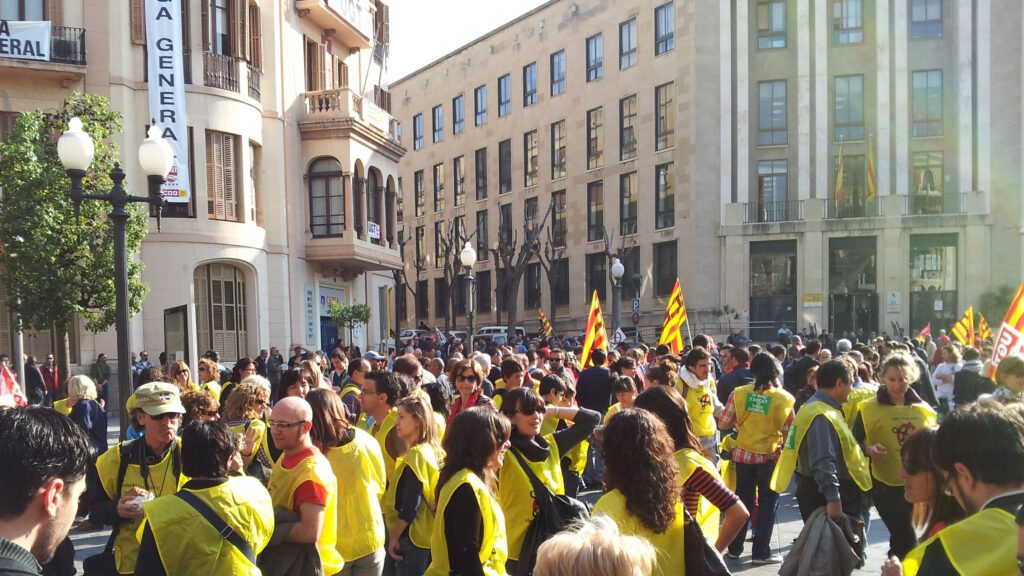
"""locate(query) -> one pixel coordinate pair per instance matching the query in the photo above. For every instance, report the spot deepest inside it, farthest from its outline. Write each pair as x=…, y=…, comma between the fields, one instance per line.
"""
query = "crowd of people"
x=429, y=461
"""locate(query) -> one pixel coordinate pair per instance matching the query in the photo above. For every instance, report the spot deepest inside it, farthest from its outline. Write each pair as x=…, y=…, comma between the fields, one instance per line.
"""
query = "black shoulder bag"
x=226, y=532
x=702, y=559
x=555, y=512
x=103, y=564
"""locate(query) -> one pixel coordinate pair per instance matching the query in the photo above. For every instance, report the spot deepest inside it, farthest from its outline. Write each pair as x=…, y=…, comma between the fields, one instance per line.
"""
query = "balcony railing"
x=340, y=103
x=852, y=207
x=254, y=77
x=931, y=204
x=785, y=211
x=220, y=71
x=67, y=45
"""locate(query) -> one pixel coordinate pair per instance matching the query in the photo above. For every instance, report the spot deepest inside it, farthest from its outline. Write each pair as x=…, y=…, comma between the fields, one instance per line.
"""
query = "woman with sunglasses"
x=209, y=375
x=244, y=412
x=469, y=527
x=468, y=378
x=526, y=410
x=182, y=376
x=199, y=405
x=243, y=368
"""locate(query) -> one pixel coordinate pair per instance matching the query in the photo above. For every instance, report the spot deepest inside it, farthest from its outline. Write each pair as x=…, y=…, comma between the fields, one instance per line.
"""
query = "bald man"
x=303, y=483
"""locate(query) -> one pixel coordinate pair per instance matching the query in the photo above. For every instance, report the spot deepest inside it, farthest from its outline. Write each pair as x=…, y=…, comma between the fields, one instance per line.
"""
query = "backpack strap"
x=124, y=449
x=538, y=486
x=226, y=532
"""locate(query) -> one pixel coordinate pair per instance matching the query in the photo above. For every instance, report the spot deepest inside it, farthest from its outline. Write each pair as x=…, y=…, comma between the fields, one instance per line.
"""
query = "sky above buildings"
x=424, y=30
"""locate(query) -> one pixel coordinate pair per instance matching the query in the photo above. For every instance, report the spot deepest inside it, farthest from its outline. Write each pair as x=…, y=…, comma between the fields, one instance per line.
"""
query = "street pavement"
x=788, y=527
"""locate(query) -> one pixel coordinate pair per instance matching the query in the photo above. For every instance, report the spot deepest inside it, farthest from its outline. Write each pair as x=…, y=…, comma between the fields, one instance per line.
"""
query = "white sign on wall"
x=893, y=301
x=25, y=40
x=167, y=90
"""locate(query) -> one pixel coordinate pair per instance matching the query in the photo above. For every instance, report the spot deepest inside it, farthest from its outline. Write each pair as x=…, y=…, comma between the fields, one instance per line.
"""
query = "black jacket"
x=594, y=389
x=16, y=560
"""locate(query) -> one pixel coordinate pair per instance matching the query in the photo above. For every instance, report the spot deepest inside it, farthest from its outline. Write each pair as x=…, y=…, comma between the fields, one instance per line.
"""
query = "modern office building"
x=293, y=159
x=843, y=164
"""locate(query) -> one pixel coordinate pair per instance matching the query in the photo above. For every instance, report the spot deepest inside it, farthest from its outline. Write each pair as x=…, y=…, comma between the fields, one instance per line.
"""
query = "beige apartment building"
x=293, y=158
x=730, y=179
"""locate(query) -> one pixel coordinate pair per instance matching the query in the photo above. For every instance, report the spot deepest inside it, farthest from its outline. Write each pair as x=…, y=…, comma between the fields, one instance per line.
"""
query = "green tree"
x=53, y=266
x=349, y=316
x=994, y=303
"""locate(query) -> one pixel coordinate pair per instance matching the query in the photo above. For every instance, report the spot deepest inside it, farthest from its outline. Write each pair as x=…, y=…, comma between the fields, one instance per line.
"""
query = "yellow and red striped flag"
x=596, y=335
x=964, y=328
x=675, y=318
x=545, y=326
x=1011, y=334
x=839, y=175
x=924, y=332
x=984, y=332
x=871, y=172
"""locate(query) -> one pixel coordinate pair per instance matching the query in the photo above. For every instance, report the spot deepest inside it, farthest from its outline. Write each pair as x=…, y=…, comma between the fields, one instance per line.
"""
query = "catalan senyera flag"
x=1011, y=334
x=675, y=318
x=924, y=332
x=545, y=326
x=839, y=175
x=596, y=335
x=871, y=172
x=964, y=328
x=984, y=332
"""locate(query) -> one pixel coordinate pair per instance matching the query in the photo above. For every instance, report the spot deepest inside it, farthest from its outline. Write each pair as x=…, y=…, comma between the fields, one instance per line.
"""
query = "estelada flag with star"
x=924, y=332
x=545, y=326
x=1011, y=334
x=964, y=328
x=675, y=317
x=984, y=332
x=596, y=335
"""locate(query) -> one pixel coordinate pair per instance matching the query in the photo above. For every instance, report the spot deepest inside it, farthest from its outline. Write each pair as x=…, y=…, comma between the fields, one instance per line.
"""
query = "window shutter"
x=205, y=18
x=55, y=12
x=321, y=67
x=138, y=16
x=211, y=177
x=255, y=37
x=230, y=178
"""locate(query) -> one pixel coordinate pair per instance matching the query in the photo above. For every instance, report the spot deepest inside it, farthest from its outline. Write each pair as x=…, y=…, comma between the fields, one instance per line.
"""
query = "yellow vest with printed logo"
x=671, y=549
x=856, y=462
x=425, y=464
x=760, y=417
x=708, y=514
x=890, y=426
x=360, y=466
x=701, y=407
x=983, y=544
x=188, y=543
x=493, y=546
x=515, y=493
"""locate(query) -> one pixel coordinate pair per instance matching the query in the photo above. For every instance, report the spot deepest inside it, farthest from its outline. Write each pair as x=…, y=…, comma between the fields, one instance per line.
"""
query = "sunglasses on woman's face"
x=535, y=410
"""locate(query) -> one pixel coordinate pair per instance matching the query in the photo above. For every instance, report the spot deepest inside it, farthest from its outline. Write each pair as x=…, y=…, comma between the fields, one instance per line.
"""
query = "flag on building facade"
x=924, y=332
x=596, y=336
x=984, y=332
x=1011, y=334
x=871, y=172
x=545, y=326
x=839, y=175
x=675, y=318
x=964, y=328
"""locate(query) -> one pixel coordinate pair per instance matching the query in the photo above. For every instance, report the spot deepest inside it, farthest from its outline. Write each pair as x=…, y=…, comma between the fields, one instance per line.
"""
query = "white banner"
x=24, y=40
x=167, y=89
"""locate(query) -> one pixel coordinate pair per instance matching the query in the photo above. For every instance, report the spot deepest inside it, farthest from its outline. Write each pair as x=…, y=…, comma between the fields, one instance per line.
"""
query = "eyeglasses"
x=171, y=415
x=466, y=378
x=260, y=402
x=285, y=425
x=531, y=411
x=208, y=413
x=554, y=359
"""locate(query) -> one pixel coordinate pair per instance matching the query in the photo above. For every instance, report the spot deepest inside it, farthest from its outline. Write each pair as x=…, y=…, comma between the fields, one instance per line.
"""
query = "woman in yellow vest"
x=762, y=413
x=243, y=411
x=882, y=425
x=643, y=494
x=179, y=374
x=527, y=411
x=357, y=462
x=703, y=491
x=409, y=501
x=469, y=527
x=209, y=375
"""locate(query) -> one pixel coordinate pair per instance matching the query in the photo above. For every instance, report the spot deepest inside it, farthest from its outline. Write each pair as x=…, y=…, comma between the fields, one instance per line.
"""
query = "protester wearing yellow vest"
x=409, y=502
x=881, y=426
x=356, y=460
x=176, y=540
x=980, y=449
x=303, y=483
x=624, y=389
x=209, y=374
x=513, y=375
x=832, y=471
x=643, y=496
x=381, y=391
x=526, y=410
x=153, y=470
x=703, y=405
x=762, y=413
x=467, y=509
x=558, y=391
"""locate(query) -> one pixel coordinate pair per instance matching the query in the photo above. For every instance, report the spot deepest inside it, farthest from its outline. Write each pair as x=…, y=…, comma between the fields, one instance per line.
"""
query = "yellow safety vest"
x=857, y=395
x=701, y=407
x=213, y=386
x=425, y=464
x=890, y=426
x=856, y=463
x=381, y=434
x=350, y=388
x=669, y=544
x=188, y=543
x=493, y=547
x=360, y=466
x=160, y=482
x=708, y=514
x=760, y=417
x=515, y=493
x=728, y=467
x=577, y=455
x=612, y=411
x=983, y=544
x=62, y=407
x=282, y=486
x=260, y=428
x=441, y=424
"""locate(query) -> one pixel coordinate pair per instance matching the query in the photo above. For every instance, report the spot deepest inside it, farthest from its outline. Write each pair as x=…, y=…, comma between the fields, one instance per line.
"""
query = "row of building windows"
x=847, y=22
x=664, y=41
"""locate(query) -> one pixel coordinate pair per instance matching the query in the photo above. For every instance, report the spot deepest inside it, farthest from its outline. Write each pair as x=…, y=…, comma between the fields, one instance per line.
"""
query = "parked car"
x=408, y=334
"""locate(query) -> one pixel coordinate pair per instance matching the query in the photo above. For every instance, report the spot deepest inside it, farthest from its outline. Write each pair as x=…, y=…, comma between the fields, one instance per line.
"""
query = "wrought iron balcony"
x=916, y=204
x=67, y=45
x=853, y=206
x=785, y=211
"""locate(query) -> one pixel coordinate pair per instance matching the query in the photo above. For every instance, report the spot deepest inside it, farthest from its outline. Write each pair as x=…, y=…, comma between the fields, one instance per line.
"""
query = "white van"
x=489, y=333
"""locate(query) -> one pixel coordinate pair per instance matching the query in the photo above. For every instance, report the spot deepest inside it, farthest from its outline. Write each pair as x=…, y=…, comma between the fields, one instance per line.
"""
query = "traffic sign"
x=636, y=318
x=636, y=305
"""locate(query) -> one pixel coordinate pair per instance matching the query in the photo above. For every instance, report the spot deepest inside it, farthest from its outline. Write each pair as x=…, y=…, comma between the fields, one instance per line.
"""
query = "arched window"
x=326, y=198
x=220, y=310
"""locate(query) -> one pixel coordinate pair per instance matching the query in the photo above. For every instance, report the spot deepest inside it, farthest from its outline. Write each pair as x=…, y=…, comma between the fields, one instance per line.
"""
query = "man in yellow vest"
x=980, y=451
x=303, y=483
x=381, y=391
x=698, y=388
x=217, y=523
x=832, y=471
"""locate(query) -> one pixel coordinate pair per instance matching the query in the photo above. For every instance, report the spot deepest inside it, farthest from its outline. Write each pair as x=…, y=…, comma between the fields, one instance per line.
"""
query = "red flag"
x=924, y=332
x=10, y=391
x=1010, y=339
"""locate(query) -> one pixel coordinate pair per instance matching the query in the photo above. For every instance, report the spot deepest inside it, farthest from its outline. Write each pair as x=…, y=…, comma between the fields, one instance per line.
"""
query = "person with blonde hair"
x=1010, y=380
x=86, y=411
x=595, y=548
x=209, y=377
x=180, y=374
x=199, y=405
x=244, y=410
x=312, y=367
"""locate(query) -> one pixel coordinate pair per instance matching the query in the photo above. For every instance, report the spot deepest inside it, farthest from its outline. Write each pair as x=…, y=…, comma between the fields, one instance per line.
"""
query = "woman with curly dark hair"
x=469, y=528
x=643, y=494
